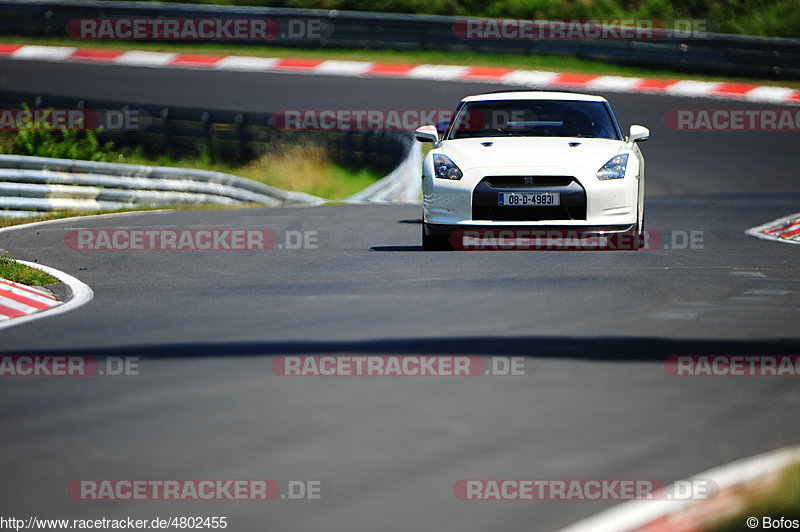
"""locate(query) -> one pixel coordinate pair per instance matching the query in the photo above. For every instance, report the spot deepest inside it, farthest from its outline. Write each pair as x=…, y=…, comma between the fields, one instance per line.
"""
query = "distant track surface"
x=595, y=326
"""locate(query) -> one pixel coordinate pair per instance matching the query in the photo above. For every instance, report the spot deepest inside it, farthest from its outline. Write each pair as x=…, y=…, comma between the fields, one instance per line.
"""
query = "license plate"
x=524, y=199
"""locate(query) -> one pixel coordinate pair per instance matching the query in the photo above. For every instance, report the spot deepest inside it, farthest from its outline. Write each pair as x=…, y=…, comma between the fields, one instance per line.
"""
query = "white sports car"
x=532, y=161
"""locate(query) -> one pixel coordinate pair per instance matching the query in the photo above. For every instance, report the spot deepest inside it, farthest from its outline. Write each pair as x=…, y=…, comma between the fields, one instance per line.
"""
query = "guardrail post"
x=239, y=124
x=46, y=23
x=365, y=147
x=165, y=124
x=82, y=130
x=126, y=117
x=347, y=148
x=205, y=118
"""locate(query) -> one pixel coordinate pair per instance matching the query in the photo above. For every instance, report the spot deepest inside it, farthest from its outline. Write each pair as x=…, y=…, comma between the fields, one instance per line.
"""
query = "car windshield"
x=534, y=118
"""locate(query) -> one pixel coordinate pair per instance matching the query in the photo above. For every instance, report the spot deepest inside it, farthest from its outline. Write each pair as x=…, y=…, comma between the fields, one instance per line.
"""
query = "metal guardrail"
x=30, y=184
x=403, y=185
x=711, y=53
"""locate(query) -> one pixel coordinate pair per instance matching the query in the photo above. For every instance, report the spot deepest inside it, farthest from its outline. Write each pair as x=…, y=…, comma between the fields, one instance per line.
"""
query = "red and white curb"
x=786, y=229
x=21, y=304
x=736, y=481
x=523, y=78
x=82, y=293
x=19, y=300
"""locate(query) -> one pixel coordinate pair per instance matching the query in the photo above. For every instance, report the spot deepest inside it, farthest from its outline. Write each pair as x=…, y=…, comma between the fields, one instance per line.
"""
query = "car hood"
x=531, y=151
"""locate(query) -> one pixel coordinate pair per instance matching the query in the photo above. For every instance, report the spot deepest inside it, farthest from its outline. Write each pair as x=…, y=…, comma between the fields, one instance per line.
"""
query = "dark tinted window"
x=534, y=118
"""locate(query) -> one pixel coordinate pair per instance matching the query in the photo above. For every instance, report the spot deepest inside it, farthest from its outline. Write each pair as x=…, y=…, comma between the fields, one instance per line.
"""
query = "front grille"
x=527, y=214
x=571, y=194
x=513, y=181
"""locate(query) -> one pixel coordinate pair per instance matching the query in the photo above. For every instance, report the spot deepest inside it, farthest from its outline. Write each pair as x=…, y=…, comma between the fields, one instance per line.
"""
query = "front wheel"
x=641, y=236
x=435, y=242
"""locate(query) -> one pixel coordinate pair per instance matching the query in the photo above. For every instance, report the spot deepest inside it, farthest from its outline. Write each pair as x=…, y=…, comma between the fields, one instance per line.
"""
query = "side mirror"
x=427, y=134
x=638, y=134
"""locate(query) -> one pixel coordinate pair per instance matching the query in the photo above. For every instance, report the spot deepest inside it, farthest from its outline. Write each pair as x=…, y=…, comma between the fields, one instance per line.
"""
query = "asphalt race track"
x=595, y=328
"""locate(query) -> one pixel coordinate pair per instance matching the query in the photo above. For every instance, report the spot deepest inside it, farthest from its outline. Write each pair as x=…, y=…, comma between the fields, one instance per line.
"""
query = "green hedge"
x=773, y=18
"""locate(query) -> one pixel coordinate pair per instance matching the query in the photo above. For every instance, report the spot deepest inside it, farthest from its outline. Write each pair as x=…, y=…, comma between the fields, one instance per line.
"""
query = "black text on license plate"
x=526, y=199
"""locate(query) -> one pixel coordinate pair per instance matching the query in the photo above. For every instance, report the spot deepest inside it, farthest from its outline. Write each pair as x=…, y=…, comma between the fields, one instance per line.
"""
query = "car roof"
x=533, y=95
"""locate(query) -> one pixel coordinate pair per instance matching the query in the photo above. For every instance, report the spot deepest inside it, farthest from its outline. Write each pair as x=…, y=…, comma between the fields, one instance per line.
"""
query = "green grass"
x=533, y=62
x=20, y=273
x=347, y=182
x=780, y=500
x=298, y=168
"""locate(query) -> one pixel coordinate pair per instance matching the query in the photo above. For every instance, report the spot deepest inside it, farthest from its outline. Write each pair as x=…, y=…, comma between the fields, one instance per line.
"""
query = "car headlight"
x=444, y=168
x=614, y=168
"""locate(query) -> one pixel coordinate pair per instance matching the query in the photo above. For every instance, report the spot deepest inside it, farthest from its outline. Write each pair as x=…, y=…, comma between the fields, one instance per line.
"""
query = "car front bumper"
x=585, y=201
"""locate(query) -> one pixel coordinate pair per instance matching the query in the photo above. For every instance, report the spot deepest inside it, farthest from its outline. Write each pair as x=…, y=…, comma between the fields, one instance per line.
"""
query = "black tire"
x=642, y=237
x=435, y=242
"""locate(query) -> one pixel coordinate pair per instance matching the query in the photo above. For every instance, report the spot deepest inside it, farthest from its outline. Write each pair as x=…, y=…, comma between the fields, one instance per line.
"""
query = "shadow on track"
x=597, y=348
x=396, y=248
